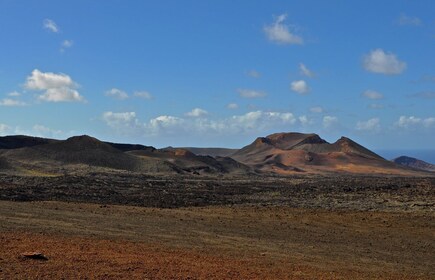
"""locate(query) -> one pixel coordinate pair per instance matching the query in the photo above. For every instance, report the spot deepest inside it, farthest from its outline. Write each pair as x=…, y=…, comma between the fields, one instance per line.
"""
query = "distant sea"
x=425, y=155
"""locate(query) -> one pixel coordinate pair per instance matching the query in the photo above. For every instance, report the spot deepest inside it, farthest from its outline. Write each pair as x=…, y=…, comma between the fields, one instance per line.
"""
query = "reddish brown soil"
x=88, y=241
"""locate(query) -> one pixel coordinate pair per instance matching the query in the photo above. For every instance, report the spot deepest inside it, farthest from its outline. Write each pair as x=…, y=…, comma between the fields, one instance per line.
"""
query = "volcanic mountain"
x=85, y=153
x=414, y=163
x=286, y=153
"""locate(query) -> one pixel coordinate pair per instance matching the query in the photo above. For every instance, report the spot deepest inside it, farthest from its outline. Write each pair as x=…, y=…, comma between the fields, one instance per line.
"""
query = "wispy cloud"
x=378, y=61
x=371, y=94
x=50, y=25
x=254, y=74
x=232, y=106
x=250, y=93
x=369, y=125
x=117, y=94
x=316, y=109
x=305, y=71
x=409, y=20
x=143, y=94
x=279, y=32
x=11, y=102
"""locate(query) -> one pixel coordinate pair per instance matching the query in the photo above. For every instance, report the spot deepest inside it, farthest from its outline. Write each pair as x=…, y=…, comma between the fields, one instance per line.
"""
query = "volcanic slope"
x=414, y=163
x=286, y=153
x=85, y=153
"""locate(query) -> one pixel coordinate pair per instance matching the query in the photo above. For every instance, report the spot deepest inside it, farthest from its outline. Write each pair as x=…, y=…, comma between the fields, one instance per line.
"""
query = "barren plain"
x=121, y=225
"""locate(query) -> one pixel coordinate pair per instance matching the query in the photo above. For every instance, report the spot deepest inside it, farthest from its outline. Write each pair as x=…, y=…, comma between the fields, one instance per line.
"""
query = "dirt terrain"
x=239, y=242
x=125, y=225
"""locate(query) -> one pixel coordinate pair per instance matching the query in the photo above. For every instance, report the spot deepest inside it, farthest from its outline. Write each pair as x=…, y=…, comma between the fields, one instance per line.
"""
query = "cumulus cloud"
x=254, y=74
x=11, y=102
x=117, y=94
x=369, y=125
x=196, y=113
x=304, y=120
x=329, y=121
x=300, y=87
x=412, y=122
x=316, y=109
x=378, y=61
x=251, y=122
x=409, y=20
x=57, y=87
x=50, y=25
x=250, y=93
x=371, y=94
x=305, y=71
x=279, y=32
x=143, y=94
x=232, y=106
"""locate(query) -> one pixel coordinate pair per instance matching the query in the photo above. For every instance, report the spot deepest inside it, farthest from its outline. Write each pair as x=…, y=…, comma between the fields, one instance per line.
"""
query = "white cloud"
x=412, y=122
x=377, y=61
x=50, y=25
x=369, y=125
x=124, y=121
x=278, y=32
x=304, y=120
x=196, y=113
x=300, y=87
x=329, y=121
x=58, y=87
x=316, y=109
x=4, y=129
x=251, y=122
x=67, y=43
x=254, y=74
x=371, y=94
x=11, y=102
x=117, y=94
x=305, y=71
x=14, y=94
x=143, y=94
x=409, y=20
x=232, y=106
x=249, y=93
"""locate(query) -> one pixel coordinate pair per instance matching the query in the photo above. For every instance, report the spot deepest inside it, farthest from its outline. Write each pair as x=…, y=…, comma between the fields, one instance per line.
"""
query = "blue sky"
x=219, y=73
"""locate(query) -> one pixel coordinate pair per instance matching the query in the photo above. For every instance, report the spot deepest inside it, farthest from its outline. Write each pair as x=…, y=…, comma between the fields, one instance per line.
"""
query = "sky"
x=219, y=73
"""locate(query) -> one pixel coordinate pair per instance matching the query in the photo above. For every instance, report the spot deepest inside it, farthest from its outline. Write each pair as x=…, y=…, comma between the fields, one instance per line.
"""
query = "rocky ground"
x=119, y=225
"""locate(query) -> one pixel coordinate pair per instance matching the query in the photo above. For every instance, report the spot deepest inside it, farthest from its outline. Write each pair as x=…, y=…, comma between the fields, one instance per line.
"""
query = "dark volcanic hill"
x=84, y=150
x=21, y=141
x=414, y=163
x=85, y=153
x=296, y=152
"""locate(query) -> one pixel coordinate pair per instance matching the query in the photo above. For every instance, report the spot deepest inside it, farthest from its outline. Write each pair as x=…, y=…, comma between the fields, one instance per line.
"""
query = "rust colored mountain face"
x=414, y=163
x=287, y=153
